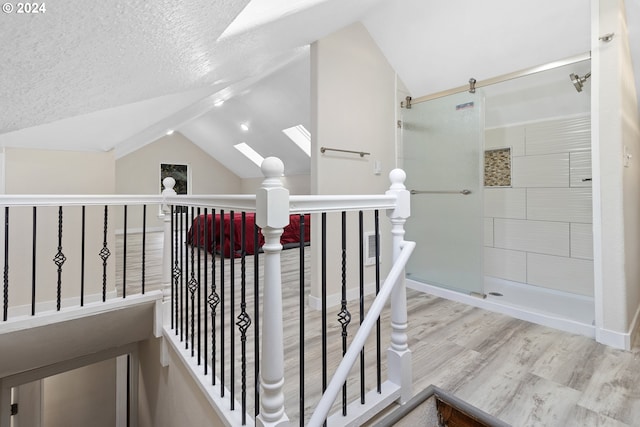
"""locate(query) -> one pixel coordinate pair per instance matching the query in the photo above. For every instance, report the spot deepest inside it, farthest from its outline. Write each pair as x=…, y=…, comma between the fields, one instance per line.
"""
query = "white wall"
x=139, y=173
x=539, y=230
x=615, y=130
x=169, y=397
x=81, y=397
x=353, y=101
x=296, y=184
x=57, y=172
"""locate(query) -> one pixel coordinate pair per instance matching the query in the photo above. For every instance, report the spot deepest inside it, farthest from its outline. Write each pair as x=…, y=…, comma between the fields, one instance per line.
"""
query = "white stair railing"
x=273, y=206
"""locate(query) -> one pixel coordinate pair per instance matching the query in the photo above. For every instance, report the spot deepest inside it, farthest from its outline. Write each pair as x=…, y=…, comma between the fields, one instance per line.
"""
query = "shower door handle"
x=463, y=192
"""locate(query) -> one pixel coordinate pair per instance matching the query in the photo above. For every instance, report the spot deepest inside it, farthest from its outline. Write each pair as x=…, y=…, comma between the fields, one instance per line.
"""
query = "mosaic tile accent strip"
x=497, y=167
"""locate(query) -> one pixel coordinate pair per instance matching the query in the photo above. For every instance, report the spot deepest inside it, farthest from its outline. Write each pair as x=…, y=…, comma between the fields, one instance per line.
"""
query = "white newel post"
x=168, y=184
x=272, y=215
x=399, y=355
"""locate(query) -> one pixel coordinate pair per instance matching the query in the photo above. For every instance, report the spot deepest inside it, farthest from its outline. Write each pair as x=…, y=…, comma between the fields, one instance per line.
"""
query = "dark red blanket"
x=214, y=241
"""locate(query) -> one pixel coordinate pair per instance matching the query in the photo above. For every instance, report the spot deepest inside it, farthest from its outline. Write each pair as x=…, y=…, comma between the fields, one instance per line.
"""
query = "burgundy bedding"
x=290, y=235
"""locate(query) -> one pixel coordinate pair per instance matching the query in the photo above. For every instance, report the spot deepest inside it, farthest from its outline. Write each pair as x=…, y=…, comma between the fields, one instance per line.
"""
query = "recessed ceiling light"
x=301, y=137
x=244, y=126
x=250, y=153
x=170, y=132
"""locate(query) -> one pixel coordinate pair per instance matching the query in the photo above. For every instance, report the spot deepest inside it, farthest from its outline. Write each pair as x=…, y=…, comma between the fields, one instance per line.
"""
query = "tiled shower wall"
x=538, y=231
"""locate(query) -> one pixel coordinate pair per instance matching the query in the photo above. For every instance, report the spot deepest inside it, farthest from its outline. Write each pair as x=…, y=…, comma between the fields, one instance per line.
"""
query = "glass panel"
x=442, y=152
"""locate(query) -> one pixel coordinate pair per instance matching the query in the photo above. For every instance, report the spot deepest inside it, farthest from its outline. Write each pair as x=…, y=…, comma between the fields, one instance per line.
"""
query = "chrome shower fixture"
x=578, y=81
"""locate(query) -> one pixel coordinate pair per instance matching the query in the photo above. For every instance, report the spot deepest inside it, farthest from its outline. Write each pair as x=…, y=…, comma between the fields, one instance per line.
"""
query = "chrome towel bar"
x=463, y=192
x=361, y=153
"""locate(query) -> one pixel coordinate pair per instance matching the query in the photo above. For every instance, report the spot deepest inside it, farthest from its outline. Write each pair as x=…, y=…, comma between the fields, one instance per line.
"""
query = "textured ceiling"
x=117, y=74
x=79, y=57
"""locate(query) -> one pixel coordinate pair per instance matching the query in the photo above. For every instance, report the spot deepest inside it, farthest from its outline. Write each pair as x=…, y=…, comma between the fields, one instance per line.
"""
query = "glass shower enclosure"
x=442, y=145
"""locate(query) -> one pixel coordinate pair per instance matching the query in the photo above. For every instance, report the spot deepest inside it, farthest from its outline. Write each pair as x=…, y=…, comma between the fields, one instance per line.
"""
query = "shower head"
x=578, y=81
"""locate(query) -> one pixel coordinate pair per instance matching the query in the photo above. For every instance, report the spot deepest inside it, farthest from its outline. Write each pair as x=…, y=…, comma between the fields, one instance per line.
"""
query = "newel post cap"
x=168, y=183
x=272, y=199
x=403, y=197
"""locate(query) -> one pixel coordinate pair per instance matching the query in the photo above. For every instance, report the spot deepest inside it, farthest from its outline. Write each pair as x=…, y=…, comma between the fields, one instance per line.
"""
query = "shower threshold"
x=560, y=310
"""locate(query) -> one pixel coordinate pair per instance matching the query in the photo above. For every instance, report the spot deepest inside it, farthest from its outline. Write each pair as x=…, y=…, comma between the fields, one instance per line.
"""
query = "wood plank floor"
x=521, y=373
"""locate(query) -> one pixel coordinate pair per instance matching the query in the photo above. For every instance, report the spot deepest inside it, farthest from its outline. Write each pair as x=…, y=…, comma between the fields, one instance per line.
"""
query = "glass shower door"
x=442, y=147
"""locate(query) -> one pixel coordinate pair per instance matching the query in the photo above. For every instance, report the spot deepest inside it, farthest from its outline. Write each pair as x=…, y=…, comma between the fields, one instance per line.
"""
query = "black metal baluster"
x=104, y=254
x=187, y=277
x=232, y=309
x=144, y=243
x=173, y=271
x=183, y=326
x=301, y=303
x=193, y=240
x=177, y=271
x=82, y=254
x=344, y=317
x=5, y=304
x=256, y=317
x=193, y=283
x=361, y=250
x=124, y=255
x=244, y=320
x=222, y=295
x=213, y=298
x=378, y=339
x=324, y=303
x=206, y=287
x=33, y=263
x=59, y=260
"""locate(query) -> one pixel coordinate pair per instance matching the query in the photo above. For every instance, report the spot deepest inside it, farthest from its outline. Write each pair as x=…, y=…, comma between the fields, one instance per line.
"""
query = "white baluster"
x=272, y=215
x=398, y=354
x=168, y=183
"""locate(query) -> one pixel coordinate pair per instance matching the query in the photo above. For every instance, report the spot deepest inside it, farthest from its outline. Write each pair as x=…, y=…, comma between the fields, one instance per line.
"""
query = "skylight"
x=250, y=153
x=259, y=12
x=301, y=137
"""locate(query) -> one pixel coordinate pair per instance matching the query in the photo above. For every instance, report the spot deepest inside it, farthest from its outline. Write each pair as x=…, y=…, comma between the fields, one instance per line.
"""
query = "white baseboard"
x=138, y=230
x=334, y=300
x=620, y=340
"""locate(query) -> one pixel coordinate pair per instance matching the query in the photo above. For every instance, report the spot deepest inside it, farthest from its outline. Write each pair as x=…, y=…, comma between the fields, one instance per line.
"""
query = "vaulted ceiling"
x=116, y=75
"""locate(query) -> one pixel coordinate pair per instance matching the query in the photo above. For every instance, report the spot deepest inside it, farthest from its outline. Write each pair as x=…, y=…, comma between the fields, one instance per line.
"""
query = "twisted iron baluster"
x=144, y=244
x=59, y=259
x=104, y=254
x=244, y=321
x=193, y=286
x=213, y=299
x=5, y=310
x=344, y=317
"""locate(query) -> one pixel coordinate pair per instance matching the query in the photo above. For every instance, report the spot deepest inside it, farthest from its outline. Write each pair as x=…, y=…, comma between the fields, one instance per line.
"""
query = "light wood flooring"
x=521, y=373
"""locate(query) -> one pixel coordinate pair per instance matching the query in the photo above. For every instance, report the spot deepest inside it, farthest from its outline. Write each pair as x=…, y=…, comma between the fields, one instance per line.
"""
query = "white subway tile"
x=532, y=236
x=559, y=204
x=558, y=136
x=505, y=264
x=505, y=203
x=541, y=171
x=564, y=274
x=582, y=241
x=488, y=231
x=512, y=136
x=580, y=169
